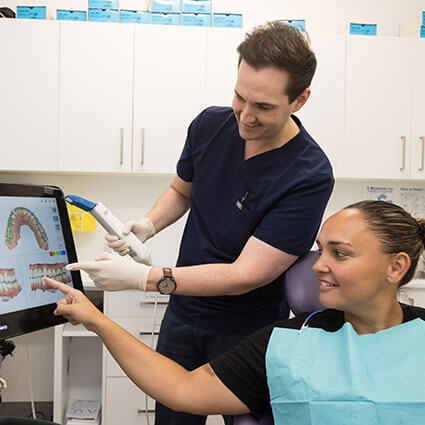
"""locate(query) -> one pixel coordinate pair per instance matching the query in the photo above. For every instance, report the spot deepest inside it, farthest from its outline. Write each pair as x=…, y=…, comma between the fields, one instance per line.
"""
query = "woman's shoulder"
x=411, y=312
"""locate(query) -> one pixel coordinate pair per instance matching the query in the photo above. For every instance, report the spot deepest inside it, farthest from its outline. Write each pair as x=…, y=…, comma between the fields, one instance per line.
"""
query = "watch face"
x=166, y=286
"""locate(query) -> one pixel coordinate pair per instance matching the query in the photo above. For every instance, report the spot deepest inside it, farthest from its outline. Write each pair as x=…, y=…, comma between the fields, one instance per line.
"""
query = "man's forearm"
x=170, y=206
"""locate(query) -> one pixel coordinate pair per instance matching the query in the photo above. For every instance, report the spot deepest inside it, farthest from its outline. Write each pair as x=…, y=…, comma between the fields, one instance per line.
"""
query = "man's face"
x=260, y=103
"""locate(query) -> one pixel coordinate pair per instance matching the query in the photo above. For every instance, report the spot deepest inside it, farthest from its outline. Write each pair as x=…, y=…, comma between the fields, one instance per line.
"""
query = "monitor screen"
x=37, y=241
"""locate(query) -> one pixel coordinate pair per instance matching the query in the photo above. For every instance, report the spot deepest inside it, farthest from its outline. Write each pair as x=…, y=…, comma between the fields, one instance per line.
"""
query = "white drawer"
x=132, y=303
x=139, y=329
x=125, y=403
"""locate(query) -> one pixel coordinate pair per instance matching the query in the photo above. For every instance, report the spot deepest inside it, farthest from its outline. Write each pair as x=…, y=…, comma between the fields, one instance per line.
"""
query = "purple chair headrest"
x=302, y=285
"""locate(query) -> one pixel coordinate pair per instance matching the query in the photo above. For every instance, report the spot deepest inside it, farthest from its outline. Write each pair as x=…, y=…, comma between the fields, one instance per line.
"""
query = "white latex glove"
x=114, y=273
x=143, y=229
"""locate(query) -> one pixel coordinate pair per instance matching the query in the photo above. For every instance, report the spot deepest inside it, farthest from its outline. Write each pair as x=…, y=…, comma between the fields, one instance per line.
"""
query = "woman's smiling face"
x=352, y=268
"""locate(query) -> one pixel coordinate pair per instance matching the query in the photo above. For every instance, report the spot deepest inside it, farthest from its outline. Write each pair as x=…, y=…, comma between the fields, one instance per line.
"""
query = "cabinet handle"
x=403, y=153
x=148, y=333
x=121, y=146
x=422, y=139
x=140, y=411
x=142, y=147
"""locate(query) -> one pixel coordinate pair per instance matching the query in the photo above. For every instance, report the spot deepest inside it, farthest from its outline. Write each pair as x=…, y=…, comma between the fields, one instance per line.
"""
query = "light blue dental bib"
x=342, y=378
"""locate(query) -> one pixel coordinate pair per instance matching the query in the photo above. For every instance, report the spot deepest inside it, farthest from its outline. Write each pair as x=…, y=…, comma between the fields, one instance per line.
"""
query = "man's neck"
x=256, y=147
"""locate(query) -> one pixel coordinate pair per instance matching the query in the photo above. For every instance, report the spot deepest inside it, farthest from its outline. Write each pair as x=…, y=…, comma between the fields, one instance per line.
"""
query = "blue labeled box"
x=227, y=20
x=196, y=19
x=103, y=4
x=299, y=24
x=103, y=15
x=423, y=18
x=134, y=16
x=158, y=18
x=423, y=31
x=196, y=6
x=71, y=15
x=171, y=6
x=363, y=29
x=31, y=12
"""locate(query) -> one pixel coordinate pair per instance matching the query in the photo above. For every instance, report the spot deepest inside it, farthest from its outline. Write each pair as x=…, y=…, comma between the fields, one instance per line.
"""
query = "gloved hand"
x=143, y=229
x=114, y=273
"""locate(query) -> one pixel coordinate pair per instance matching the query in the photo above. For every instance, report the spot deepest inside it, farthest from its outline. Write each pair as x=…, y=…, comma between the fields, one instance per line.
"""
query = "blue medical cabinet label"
x=196, y=19
x=71, y=15
x=165, y=6
x=103, y=4
x=363, y=29
x=31, y=12
x=196, y=6
x=134, y=16
x=158, y=18
x=103, y=15
x=227, y=20
x=299, y=24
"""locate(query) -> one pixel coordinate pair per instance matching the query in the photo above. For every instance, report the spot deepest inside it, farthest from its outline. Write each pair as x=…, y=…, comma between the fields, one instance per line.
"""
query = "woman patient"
x=360, y=361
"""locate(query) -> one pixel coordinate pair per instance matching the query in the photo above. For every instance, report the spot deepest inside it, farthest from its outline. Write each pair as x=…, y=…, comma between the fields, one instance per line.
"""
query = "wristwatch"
x=167, y=284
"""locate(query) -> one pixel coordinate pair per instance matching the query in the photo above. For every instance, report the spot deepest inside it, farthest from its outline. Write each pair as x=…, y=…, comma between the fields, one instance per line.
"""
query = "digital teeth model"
x=21, y=216
x=9, y=286
x=54, y=271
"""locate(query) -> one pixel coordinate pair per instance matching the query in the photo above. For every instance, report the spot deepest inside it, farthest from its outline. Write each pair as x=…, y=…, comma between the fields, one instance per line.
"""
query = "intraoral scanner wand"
x=112, y=225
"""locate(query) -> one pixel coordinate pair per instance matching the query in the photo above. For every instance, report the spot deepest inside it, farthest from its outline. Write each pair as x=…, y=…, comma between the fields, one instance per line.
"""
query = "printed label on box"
x=363, y=29
x=196, y=6
x=165, y=6
x=196, y=19
x=165, y=18
x=31, y=12
x=134, y=16
x=103, y=4
x=227, y=20
x=71, y=15
x=299, y=24
x=103, y=15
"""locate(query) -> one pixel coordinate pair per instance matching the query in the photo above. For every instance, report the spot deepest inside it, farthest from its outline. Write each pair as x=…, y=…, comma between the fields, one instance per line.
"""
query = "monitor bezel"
x=36, y=318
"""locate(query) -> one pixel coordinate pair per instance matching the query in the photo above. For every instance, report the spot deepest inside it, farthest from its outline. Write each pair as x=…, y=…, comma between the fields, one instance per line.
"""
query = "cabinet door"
x=378, y=107
x=222, y=64
x=96, y=87
x=418, y=122
x=29, y=94
x=323, y=114
x=169, y=91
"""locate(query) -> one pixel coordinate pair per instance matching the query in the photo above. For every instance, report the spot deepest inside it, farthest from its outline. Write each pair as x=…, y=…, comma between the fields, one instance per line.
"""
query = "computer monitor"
x=37, y=241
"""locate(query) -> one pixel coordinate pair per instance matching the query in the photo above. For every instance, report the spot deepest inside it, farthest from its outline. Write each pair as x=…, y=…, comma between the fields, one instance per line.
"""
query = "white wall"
x=131, y=196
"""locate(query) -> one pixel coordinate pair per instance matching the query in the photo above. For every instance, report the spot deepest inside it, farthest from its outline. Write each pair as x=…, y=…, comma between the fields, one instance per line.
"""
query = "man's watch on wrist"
x=167, y=284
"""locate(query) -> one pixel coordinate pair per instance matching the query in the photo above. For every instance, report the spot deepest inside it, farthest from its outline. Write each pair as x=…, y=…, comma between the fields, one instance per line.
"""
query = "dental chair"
x=302, y=293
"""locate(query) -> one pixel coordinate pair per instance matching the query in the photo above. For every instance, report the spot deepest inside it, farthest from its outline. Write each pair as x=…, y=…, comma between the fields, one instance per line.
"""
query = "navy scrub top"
x=278, y=196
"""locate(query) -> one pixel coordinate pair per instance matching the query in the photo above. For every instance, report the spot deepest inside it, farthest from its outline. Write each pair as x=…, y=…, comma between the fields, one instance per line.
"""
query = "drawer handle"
x=422, y=139
x=403, y=153
x=148, y=333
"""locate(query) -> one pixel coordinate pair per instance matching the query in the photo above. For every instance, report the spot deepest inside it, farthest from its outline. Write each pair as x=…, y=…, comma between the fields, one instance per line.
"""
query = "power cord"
x=28, y=370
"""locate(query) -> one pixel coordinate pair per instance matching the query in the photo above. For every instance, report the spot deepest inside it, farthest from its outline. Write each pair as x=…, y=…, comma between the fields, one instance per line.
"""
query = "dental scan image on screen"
x=32, y=246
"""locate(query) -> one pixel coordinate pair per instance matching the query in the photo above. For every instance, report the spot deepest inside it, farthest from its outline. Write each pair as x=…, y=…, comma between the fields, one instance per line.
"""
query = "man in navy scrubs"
x=257, y=185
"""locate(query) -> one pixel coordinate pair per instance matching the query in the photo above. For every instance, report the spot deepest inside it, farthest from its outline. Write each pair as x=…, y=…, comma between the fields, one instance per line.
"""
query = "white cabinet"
x=378, y=107
x=169, y=91
x=29, y=73
x=417, y=163
x=222, y=64
x=323, y=114
x=96, y=93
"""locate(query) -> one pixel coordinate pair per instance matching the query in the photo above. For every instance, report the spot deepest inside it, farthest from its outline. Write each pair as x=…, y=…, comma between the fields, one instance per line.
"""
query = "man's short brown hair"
x=282, y=46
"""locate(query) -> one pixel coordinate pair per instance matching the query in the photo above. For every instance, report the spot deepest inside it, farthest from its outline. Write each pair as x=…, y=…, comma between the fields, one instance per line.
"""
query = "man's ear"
x=398, y=267
x=299, y=102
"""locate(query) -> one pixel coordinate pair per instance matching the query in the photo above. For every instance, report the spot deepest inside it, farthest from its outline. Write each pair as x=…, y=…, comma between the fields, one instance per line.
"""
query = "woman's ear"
x=398, y=267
